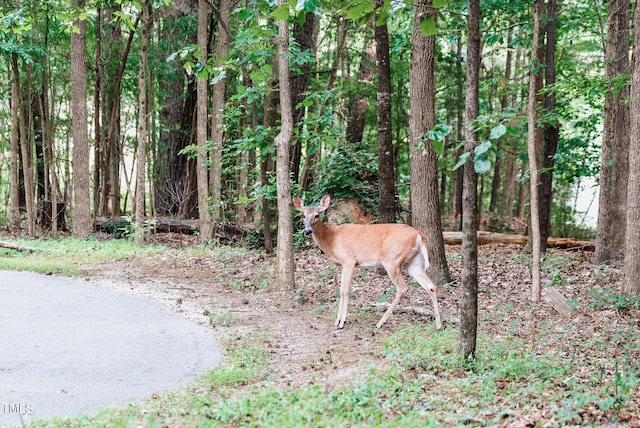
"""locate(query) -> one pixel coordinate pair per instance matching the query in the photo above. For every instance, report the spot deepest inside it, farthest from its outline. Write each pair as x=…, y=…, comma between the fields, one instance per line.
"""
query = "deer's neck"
x=323, y=235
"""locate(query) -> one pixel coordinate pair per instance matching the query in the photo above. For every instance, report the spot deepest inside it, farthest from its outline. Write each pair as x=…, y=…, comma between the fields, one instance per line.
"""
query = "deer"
x=391, y=246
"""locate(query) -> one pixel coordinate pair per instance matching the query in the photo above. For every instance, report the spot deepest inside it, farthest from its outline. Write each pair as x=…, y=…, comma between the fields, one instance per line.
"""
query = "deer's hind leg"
x=394, y=272
x=416, y=270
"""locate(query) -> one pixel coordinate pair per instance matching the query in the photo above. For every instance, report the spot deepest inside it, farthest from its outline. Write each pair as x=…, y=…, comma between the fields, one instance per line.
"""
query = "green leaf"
x=461, y=160
x=439, y=3
x=428, y=26
x=360, y=10
x=281, y=13
x=482, y=148
x=497, y=132
x=439, y=132
x=482, y=164
x=438, y=146
x=306, y=5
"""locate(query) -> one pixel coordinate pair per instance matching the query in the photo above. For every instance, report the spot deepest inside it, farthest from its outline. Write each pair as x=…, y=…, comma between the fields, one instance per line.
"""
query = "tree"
x=469, y=290
x=425, y=203
x=14, y=190
x=631, y=283
x=26, y=150
x=204, y=214
x=386, y=162
x=82, y=223
x=615, y=138
x=141, y=169
x=285, y=271
x=304, y=36
x=217, y=135
x=534, y=138
x=551, y=128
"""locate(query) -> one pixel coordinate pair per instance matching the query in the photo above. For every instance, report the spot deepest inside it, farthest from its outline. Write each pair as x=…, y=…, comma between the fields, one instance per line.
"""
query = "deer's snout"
x=308, y=231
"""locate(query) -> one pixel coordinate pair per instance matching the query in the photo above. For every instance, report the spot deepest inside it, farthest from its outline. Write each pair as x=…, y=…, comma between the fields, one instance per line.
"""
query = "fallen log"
x=123, y=225
x=18, y=247
x=484, y=238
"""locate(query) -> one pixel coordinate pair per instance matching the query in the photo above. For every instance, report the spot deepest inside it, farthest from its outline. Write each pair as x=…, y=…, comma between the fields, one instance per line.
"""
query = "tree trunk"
x=204, y=215
x=425, y=203
x=98, y=148
x=142, y=123
x=631, y=282
x=217, y=136
x=305, y=36
x=14, y=190
x=360, y=105
x=266, y=167
x=612, y=212
x=386, y=170
x=469, y=291
x=534, y=138
x=26, y=152
x=551, y=130
x=82, y=224
x=285, y=269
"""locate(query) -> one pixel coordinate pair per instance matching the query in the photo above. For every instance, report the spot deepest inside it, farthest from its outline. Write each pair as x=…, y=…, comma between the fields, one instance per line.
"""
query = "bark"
x=469, y=290
x=612, y=212
x=216, y=118
x=533, y=148
x=631, y=281
x=459, y=174
x=425, y=203
x=14, y=190
x=204, y=215
x=305, y=36
x=492, y=238
x=142, y=124
x=173, y=195
x=26, y=152
x=266, y=167
x=551, y=130
x=359, y=107
x=82, y=223
x=285, y=265
x=386, y=170
x=98, y=148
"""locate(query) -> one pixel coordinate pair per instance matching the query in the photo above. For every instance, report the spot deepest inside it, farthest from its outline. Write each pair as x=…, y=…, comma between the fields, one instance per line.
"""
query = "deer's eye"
x=317, y=215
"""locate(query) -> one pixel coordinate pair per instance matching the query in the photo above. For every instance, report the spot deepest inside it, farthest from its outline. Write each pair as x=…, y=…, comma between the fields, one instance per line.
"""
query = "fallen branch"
x=455, y=238
x=420, y=311
x=18, y=247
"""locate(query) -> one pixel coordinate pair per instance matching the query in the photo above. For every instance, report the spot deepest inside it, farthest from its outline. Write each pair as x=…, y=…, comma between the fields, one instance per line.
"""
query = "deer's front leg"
x=345, y=285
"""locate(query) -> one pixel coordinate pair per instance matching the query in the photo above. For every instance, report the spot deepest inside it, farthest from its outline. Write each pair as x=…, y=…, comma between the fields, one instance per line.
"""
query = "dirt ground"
x=237, y=296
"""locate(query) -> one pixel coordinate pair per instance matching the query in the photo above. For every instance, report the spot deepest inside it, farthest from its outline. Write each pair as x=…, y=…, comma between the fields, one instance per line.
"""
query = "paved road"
x=67, y=347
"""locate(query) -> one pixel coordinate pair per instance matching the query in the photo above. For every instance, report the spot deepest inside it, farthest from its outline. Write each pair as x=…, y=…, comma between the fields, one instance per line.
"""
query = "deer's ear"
x=297, y=202
x=324, y=202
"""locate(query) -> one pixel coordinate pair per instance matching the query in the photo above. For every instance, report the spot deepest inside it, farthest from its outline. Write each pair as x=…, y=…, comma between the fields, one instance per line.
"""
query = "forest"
x=480, y=117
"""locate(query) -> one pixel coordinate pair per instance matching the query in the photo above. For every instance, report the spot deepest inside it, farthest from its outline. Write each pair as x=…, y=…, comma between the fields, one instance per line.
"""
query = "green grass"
x=67, y=256
x=419, y=380
x=414, y=378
